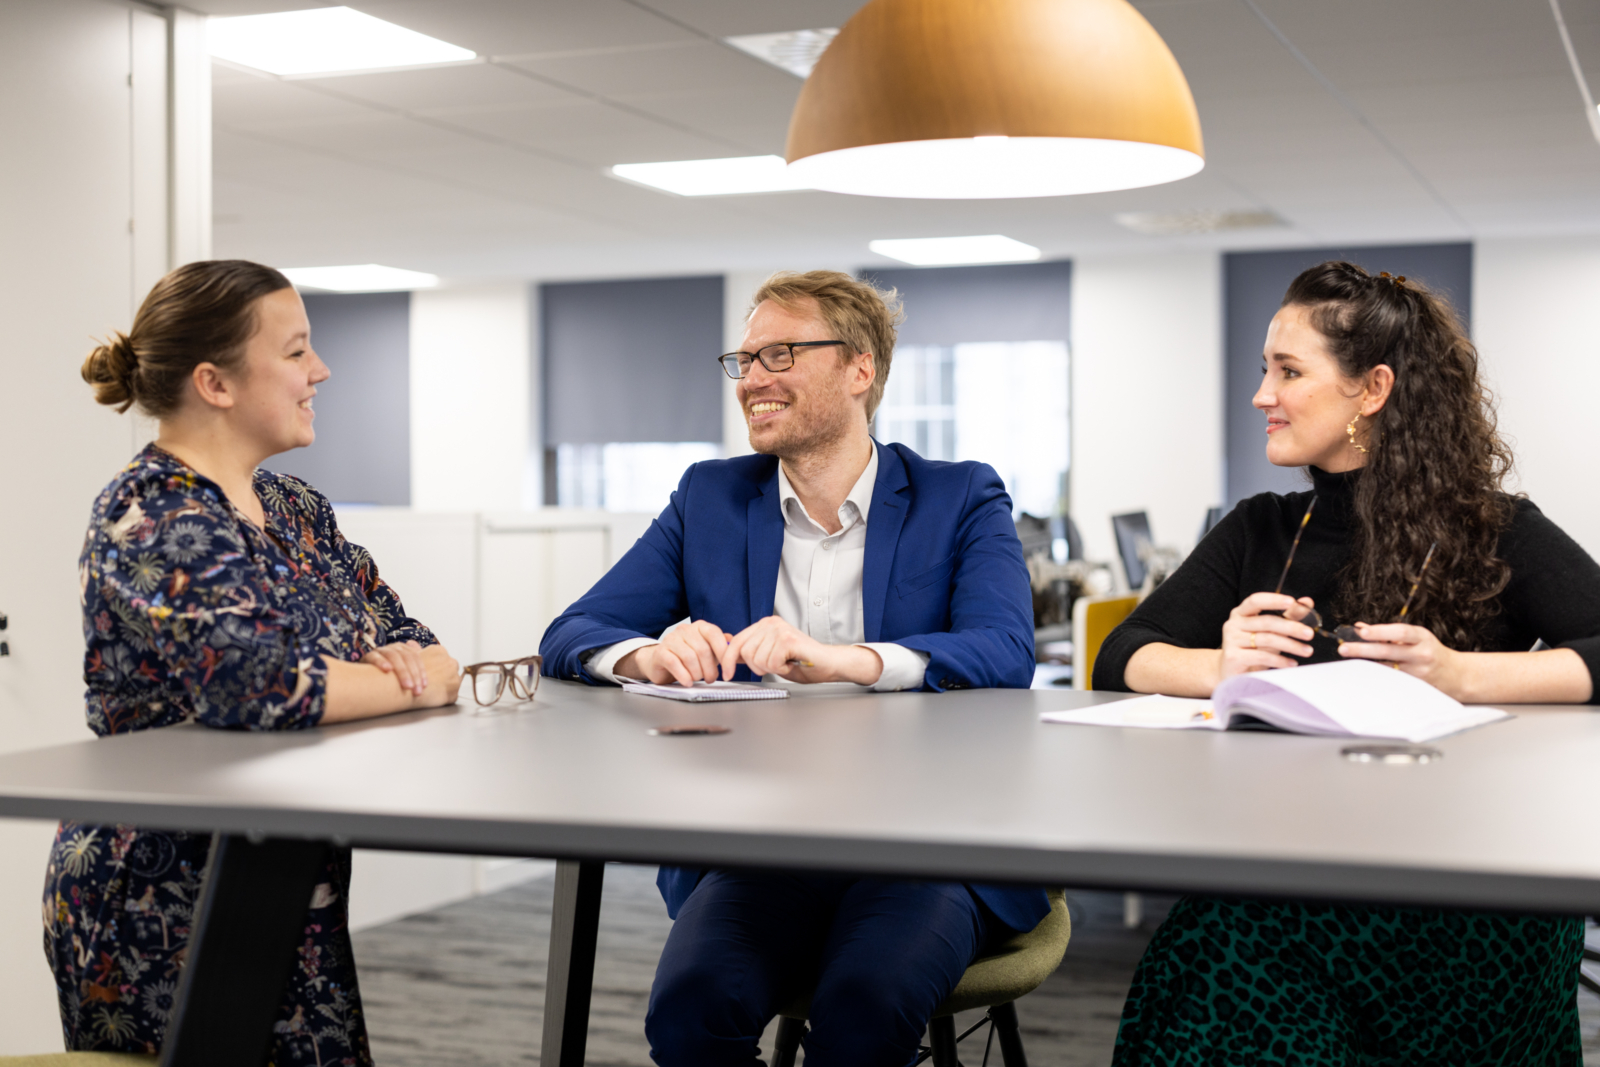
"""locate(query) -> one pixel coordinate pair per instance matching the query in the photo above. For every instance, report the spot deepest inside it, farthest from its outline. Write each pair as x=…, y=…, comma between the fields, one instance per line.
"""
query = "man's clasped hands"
x=703, y=651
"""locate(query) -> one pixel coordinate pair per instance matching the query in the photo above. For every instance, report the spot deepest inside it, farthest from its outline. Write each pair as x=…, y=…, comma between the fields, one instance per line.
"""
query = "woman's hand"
x=441, y=678
x=687, y=654
x=403, y=659
x=1412, y=649
x=1252, y=641
x=773, y=646
x=358, y=691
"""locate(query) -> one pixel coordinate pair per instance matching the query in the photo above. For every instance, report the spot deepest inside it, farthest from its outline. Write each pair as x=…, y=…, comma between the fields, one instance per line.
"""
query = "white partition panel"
x=431, y=560
x=487, y=585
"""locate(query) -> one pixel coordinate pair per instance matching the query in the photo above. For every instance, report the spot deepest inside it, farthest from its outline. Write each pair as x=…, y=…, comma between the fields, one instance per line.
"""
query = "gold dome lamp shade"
x=971, y=99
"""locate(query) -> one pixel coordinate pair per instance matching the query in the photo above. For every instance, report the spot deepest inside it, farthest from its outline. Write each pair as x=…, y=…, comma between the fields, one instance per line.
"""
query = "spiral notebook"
x=1353, y=698
x=705, y=692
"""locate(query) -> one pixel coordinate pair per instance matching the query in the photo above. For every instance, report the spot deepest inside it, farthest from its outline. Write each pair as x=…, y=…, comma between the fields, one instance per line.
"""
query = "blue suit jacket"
x=943, y=574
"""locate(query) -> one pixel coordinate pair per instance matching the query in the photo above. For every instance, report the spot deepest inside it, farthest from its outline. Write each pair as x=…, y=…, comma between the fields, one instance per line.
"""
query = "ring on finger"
x=1253, y=640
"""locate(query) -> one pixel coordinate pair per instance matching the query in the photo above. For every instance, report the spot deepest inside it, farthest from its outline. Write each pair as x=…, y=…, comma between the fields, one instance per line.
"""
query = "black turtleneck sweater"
x=1553, y=595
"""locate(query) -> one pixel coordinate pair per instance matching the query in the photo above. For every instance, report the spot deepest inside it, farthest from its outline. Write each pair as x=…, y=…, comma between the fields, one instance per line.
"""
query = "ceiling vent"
x=1181, y=223
x=795, y=51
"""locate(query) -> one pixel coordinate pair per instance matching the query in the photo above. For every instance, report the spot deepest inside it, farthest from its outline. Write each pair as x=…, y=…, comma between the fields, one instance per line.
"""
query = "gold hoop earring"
x=1350, y=429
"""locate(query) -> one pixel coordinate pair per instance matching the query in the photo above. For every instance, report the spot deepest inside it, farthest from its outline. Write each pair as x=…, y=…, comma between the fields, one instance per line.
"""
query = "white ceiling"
x=1398, y=120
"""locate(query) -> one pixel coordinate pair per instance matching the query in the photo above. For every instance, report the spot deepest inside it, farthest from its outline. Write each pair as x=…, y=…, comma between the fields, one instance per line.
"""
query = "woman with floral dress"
x=218, y=592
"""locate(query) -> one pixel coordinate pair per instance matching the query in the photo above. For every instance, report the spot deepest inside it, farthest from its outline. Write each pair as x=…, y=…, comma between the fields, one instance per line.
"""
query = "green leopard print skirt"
x=1242, y=983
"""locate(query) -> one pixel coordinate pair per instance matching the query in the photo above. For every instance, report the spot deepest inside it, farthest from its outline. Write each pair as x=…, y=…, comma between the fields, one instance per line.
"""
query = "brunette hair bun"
x=113, y=370
x=202, y=312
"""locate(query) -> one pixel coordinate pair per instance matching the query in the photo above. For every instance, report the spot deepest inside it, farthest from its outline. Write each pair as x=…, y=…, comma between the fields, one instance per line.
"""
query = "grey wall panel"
x=362, y=453
x=1253, y=286
x=1003, y=302
x=632, y=360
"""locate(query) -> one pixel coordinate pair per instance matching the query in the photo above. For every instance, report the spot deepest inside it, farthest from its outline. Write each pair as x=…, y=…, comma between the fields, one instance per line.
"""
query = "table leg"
x=247, y=926
x=574, y=924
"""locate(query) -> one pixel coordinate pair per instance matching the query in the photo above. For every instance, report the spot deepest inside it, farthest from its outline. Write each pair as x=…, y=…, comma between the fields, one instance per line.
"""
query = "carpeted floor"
x=462, y=986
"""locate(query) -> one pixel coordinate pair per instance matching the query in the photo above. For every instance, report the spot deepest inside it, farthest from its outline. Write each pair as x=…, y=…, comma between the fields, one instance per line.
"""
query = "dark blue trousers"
x=879, y=955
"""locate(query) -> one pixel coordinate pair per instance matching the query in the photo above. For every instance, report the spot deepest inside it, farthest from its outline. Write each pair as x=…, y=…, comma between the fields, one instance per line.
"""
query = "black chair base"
x=942, y=1039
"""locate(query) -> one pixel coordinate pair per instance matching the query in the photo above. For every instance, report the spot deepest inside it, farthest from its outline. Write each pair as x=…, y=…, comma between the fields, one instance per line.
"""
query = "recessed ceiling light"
x=1179, y=223
x=713, y=177
x=325, y=40
x=948, y=251
x=796, y=51
x=360, y=278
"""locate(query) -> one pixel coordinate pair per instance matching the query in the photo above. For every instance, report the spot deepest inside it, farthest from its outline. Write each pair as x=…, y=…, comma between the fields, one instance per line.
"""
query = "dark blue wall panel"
x=1003, y=302
x=632, y=360
x=363, y=449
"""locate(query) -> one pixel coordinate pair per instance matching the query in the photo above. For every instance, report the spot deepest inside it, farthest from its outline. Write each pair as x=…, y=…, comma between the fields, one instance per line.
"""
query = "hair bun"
x=113, y=370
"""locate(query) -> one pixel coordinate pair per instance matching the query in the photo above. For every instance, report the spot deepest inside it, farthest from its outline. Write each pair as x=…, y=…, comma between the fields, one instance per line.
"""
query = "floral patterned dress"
x=192, y=612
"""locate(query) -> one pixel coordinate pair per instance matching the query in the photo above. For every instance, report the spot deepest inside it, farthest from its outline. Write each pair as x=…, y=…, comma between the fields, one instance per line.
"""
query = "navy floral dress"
x=191, y=612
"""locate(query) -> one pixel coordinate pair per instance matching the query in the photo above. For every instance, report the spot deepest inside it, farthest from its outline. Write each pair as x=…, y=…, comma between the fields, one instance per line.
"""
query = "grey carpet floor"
x=462, y=986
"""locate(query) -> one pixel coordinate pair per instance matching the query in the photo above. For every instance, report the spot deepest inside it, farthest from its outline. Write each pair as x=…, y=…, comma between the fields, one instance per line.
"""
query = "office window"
x=632, y=391
x=625, y=476
x=981, y=373
x=1005, y=403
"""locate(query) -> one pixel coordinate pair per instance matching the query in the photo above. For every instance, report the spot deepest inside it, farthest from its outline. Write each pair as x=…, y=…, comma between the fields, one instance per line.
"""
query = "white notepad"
x=704, y=692
x=1353, y=698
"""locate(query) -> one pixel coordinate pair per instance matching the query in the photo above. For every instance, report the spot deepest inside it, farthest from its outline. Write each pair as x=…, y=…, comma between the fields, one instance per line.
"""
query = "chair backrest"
x=1133, y=534
x=1093, y=619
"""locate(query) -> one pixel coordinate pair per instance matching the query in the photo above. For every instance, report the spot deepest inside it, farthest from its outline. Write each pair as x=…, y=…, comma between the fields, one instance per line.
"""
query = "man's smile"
x=767, y=407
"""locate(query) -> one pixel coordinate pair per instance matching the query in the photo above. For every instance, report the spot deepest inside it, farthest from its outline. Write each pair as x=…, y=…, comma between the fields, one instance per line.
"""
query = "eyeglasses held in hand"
x=491, y=681
x=776, y=358
x=1313, y=618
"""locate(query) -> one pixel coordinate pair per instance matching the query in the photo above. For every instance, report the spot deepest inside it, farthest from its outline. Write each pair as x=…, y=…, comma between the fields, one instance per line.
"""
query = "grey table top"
x=964, y=785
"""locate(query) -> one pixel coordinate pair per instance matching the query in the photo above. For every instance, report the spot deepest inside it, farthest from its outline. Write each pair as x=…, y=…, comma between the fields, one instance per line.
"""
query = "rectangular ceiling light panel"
x=953, y=251
x=795, y=51
x=712, y=177
x=325, y=40
x=360, y=278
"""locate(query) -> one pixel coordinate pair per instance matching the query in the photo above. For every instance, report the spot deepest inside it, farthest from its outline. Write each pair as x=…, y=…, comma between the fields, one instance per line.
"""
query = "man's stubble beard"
x=814, y=431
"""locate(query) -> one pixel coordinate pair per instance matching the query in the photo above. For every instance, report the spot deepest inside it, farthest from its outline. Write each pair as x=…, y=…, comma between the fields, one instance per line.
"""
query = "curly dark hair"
x=1435, y=463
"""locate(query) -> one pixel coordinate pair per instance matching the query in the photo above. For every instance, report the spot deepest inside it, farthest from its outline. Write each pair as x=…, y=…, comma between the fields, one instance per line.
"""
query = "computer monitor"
x=1213, y=516
x=1133, y=534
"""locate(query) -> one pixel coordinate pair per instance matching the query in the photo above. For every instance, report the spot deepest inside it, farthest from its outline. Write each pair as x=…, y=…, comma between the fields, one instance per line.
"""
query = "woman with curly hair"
x=1371, y=383
x=222, y=593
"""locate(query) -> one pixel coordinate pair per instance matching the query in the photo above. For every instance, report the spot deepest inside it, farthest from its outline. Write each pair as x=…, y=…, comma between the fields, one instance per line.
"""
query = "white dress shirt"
x=819, y=586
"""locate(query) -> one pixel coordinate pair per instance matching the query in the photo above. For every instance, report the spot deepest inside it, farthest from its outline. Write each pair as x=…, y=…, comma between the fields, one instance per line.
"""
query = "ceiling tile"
x=513, y=27
x=432, y=88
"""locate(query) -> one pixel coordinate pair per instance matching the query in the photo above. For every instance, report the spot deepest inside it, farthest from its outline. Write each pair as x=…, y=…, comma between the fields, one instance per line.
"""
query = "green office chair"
x=78, y=1059
x=994, y=981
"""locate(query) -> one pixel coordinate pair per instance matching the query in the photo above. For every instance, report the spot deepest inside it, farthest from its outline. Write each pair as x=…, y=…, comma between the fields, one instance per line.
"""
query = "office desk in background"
x=967, y=786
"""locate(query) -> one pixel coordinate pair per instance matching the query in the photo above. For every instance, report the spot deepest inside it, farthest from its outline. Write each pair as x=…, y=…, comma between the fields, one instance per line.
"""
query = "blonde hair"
x=864, y=317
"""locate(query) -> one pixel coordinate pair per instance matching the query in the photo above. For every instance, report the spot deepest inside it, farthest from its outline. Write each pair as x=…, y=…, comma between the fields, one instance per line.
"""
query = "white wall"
x=1533, y=320
x=471, y=409
x=1146, y=394
x=84, y=228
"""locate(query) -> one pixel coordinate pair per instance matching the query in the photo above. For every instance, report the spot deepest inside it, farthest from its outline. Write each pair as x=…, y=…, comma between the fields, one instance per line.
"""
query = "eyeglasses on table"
x=492, y=680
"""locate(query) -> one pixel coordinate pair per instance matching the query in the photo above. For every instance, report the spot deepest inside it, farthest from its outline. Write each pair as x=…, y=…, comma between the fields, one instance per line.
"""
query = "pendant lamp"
x=972, y=99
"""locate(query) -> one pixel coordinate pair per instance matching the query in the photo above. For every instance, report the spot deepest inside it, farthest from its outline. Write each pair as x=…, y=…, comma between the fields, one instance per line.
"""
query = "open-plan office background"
x=630, y=395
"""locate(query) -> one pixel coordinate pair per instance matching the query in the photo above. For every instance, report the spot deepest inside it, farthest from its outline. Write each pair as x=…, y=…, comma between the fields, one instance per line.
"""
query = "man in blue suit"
x=824, y=558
